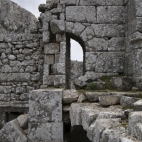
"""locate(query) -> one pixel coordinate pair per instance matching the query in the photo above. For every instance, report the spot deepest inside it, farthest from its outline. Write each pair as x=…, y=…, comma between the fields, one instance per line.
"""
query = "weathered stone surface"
x=110, y=14
x=49, y=59
x=50, y=98
x=109, y=100
x=135, y=124
x=68, y=2
x=87, y=34
x=128, y=101
x=92, y=2
x=57, y=26
x=116, y=44
x=108, y=30
x=51, y=132
x=12, y=132
x=94, y=96
x=51, y=48
x=70, y=96
x=15, y=19
x=23, y=121
x=138, y=105
x=122, y=83
x=97, y=44
x=45, y=113
x=81, y=14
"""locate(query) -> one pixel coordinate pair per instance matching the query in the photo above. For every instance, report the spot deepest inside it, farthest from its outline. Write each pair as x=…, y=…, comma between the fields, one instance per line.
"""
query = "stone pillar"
x=45, y=116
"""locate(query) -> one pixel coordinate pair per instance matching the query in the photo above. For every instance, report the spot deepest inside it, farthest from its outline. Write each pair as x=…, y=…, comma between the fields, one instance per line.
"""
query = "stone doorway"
x=70, y=36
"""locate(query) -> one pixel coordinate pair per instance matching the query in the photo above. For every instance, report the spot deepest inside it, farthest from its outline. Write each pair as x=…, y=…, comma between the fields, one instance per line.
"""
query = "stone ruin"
x=37, y=102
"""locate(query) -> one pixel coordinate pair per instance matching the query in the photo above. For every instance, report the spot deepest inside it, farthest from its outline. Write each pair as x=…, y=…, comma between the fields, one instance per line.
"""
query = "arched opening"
x=75, y=50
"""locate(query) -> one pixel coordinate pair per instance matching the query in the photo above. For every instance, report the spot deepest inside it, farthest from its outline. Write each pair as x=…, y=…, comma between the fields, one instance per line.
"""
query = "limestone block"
x=3, y=77
x=138, y=105
x=46, y=69
x=87, y=34
x=97, y=44
x=51, y=132
x=20, y=90
x=81, y=14
x=45, y=106
x=46, y=36
x=68, y=2
x=110, y=14
x=69, y=27
x=51, y=48
x=94, y=96
x=24, y=96
x=3, y=45
x=12, y=132
x=135, y=124
x=59, y=80
x=49, y=59
x=19, y=77
x=60, y=68
x=115, y=3
x=23, y=121
x=5, y=97
x=116, y=44
x=122, y=83
x=128, y=101
x=109, y=62
x=90, y=63
x=62, y=55
x=57, y=26
x=36, y=77
x=108, y=30
x=70, y=96
x=78, y=28
x=1, y=38
x=48, y=79
x=138, y=6
x=92, y=2
x=95, y=130
x=109, y=100
x=60, y=37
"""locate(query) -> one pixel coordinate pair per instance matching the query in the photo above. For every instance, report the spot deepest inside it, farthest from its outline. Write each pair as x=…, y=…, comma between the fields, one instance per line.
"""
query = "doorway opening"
x=75, y=59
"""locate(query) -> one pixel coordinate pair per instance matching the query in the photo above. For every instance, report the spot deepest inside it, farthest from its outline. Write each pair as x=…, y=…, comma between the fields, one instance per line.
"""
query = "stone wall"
x=21, y=65
x=134, y=41
x=99, y=26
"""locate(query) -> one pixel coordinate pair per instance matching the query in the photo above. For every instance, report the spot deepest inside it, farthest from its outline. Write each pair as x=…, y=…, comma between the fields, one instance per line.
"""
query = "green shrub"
x=91, y=86
x=107, y=79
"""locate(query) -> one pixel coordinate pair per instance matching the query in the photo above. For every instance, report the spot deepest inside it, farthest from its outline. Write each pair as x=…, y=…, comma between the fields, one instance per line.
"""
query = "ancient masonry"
x=37, y=100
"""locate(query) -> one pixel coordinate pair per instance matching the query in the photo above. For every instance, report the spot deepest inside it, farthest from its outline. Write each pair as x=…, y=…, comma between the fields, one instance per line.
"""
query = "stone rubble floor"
x=109, y=116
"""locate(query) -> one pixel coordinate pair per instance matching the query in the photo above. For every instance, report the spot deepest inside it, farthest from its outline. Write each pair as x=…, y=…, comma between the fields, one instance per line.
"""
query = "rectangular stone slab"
x=81, y=14
x=45, y=105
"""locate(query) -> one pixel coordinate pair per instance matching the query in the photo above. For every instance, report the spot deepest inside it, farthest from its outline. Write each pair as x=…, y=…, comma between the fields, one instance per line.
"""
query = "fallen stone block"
x=12, y=132
x=138, y=105
x=109, y=100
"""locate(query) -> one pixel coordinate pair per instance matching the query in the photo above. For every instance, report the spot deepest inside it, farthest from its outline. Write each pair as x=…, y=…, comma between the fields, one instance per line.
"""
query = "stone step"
x=138, y=105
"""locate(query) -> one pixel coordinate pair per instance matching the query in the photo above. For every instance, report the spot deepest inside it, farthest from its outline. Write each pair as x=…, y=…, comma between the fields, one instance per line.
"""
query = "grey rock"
x=122, y=83
x=12, y=132
x=81, y=14
x=70, y=96
x=51, y=48
x=23, y=121
x=138, y=105
x=94, y=96
x=134, y=124
x=128, y=101
x=18, y=20
x=57, y=26
x=109, y=100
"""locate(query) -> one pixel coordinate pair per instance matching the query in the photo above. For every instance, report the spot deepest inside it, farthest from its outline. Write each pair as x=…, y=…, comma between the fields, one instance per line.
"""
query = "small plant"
x=107, y=79
x=91, y=86
x=128, y=107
